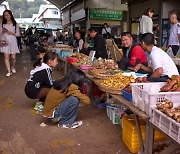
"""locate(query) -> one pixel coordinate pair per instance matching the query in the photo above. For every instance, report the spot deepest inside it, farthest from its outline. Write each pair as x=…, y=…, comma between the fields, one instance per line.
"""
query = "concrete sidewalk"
x=20, y=130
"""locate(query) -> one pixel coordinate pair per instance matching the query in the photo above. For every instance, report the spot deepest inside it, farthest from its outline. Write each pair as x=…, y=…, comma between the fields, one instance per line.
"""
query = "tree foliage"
x=24, y=8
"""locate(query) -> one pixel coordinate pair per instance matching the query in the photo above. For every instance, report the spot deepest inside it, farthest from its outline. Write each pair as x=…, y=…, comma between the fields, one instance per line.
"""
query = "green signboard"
x=105, y=14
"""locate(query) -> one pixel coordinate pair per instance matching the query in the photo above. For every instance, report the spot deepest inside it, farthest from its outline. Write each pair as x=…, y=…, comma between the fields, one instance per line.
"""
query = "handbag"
x=3, y=40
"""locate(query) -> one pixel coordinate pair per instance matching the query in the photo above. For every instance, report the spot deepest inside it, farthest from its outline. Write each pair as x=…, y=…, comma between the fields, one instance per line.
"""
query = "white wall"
x=169, y=5
x=48, y=14
x=107, y=4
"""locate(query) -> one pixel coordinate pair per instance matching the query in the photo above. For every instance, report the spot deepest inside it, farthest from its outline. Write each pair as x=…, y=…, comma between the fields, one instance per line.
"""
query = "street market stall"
x=109, y=79
x=143, y=111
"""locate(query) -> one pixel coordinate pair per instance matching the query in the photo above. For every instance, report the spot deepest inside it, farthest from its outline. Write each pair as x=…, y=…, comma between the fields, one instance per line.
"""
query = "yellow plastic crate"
x=130, y=135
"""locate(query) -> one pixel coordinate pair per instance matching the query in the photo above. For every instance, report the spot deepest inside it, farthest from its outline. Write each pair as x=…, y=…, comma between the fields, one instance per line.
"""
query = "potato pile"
x=166, y=107
x=117, y=82
x=128, y=89
x=172, y=85
x=103, y=68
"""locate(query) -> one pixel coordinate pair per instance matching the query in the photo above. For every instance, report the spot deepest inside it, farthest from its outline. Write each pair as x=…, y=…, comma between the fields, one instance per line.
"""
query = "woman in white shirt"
x=106, y=31
x=9, y=29
x=146, y=23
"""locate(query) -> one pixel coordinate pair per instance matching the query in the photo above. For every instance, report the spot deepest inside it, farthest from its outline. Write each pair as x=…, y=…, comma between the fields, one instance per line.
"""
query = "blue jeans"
x=67, y=110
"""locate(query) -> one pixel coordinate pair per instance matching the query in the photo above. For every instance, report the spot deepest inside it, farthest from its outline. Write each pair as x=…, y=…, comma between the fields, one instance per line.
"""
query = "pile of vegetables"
x=166, y=107
x=173, y=84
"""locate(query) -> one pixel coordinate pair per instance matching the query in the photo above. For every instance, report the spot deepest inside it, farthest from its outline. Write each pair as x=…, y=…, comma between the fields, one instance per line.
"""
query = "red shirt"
x=137, y=55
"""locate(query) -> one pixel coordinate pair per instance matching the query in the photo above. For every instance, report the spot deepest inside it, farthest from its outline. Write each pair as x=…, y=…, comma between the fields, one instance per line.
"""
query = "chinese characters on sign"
x=105, y=14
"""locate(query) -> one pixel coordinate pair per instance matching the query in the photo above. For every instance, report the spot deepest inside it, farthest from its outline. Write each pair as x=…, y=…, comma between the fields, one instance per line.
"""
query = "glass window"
x=54, y=12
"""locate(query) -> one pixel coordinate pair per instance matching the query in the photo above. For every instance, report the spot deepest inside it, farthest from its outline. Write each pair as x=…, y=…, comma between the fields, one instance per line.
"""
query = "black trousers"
x=175, y=49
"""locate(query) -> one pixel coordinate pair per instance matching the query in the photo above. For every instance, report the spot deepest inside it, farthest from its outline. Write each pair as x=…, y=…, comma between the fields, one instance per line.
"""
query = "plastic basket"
x=130, y=135
x=127, y=95
x=146, y=100
x=63, y=54
x=166, y=124
x=114, y=114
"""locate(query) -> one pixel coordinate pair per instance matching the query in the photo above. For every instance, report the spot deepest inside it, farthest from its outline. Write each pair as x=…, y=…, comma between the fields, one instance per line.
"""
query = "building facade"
x=51, y=17
x=161, y=22
x=83, y=14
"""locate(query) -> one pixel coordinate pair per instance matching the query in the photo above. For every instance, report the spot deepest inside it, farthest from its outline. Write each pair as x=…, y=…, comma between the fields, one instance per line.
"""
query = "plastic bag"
x=169, y=52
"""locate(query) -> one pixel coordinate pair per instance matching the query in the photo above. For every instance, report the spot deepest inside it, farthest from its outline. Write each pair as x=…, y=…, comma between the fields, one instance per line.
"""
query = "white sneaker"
x=73, y=126
x=8, y=74
x=13, y=70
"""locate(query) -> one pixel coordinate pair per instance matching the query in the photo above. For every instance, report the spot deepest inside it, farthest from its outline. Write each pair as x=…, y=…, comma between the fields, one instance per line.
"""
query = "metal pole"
x=160, y=22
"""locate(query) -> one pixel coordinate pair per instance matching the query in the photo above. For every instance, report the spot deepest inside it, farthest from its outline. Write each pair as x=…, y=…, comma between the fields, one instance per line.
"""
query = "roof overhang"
x=131, y=1
x=60, y=3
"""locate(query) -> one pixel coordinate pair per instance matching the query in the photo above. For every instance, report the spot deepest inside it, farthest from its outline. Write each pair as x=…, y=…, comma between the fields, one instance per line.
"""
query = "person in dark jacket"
x=40, y=80
x=99, y=44
x=78, y=40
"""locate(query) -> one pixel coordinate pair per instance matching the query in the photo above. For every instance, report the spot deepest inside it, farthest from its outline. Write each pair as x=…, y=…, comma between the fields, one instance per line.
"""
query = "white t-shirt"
x=174, y=31
x=161, y=59
x=108, y=29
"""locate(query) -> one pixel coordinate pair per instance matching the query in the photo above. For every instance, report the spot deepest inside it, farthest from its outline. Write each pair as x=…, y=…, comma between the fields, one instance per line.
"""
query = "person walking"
x=19, y=43
x=146, y=23
x=146, y=26
x=174, y=38
x=9, y=29
x=106, y=31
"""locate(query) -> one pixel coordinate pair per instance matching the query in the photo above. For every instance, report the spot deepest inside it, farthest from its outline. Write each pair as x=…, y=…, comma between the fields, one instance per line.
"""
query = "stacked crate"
x=130, y=135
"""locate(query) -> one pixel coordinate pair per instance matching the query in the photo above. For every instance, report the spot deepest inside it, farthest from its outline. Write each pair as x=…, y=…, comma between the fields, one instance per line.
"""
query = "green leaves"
x=24, y=8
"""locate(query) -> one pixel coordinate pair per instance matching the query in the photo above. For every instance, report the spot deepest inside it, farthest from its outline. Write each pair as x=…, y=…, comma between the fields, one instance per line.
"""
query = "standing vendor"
x=163, y=66
x=99, y=44
x=78, y=40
